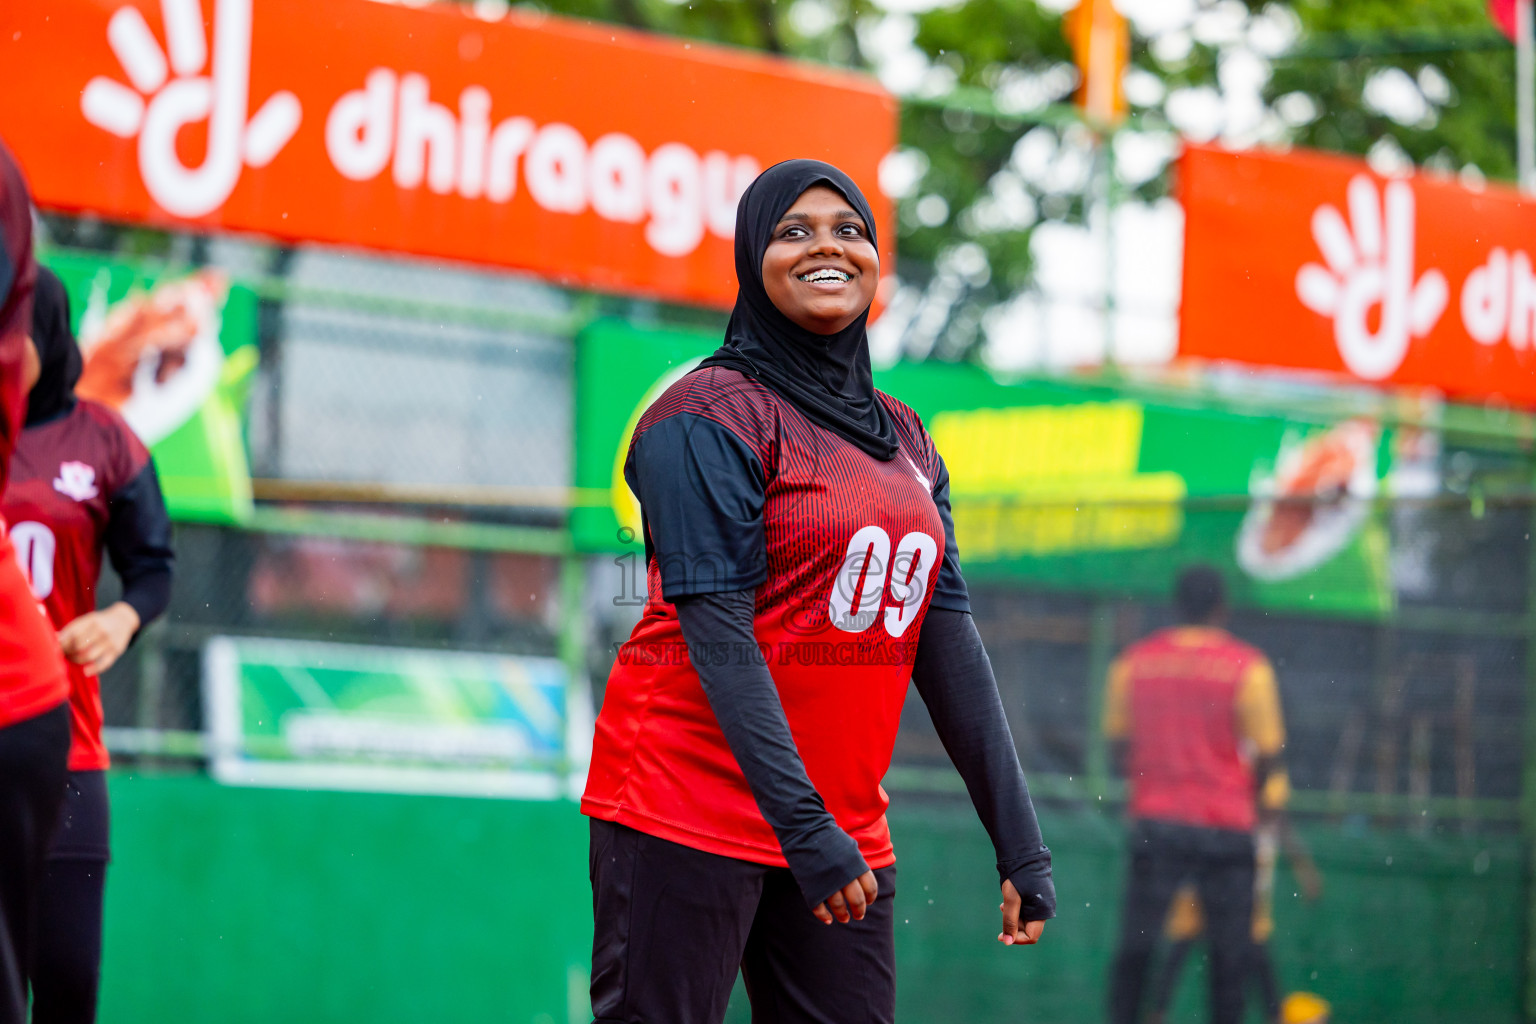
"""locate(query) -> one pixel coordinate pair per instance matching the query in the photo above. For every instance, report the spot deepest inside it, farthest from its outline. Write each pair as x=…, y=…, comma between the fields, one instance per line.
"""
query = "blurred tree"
x=990, y=150
x=1446, y=100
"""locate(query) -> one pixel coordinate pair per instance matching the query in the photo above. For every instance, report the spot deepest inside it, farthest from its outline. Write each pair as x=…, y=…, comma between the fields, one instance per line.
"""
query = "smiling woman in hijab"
x=80, y=483
x=801, y=568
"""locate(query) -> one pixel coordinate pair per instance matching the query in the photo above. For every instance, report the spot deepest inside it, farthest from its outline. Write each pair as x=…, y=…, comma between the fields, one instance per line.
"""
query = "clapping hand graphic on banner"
x=1368, y=267
x=190, y=96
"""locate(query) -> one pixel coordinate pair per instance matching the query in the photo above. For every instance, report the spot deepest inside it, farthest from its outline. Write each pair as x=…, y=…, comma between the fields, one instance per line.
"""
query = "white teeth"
x=825, y=275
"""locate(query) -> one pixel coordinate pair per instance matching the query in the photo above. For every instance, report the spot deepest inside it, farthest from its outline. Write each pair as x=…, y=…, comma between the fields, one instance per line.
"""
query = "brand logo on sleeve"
x=928, y=484
x=76, y=480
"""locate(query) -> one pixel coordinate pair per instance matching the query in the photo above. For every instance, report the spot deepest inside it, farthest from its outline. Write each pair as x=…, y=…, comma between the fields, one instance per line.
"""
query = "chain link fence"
x=237, y=582
x=1413, y=715
x=410, y=405
x=409, y=434
x=1417, y=713
x=423, y=378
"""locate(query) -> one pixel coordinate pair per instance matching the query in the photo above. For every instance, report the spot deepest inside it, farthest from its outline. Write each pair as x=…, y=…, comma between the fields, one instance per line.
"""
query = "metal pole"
x=573, y=649
x=1525, y=106
x=1101, y=652
x=1528, y=787
x=149, y=713
x=1525, y=99
x=1106, y=164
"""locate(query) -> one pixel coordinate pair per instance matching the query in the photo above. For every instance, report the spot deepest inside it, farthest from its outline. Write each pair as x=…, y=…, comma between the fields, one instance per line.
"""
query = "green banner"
x=174, y=353
x=1085, y=488
x=620, y=371
x=1075, y=486
x=342, y=716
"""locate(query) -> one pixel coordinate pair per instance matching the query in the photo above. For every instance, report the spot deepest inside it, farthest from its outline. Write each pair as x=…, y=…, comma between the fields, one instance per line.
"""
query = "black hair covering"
x=54, y=393
x=1199, y=594
x=826, y=376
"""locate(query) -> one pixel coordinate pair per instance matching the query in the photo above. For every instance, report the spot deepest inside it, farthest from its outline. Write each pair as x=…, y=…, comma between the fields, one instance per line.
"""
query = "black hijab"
x=54, y=393
x=826, y=376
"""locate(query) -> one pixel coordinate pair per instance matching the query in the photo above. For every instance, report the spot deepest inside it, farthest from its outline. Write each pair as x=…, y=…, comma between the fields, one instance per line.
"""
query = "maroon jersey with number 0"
x=63, y=475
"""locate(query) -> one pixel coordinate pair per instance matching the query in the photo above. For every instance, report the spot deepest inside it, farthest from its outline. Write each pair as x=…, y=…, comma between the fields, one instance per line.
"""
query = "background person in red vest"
x=1195, y=719
x=34, y=723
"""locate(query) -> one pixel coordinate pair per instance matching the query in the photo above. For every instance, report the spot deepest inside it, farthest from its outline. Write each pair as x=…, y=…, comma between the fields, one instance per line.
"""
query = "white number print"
x=915, y=556
x=35, y=547
x=868, y=566
x=857, y=590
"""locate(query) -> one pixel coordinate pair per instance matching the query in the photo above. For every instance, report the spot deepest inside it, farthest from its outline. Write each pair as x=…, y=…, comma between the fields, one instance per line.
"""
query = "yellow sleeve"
x=1258, y=709
x=1117, y=702
x=1276, y=792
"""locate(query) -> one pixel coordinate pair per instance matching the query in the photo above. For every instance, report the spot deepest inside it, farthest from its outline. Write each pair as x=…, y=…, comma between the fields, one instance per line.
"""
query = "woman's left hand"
x=97, y=639
x=1015, y=932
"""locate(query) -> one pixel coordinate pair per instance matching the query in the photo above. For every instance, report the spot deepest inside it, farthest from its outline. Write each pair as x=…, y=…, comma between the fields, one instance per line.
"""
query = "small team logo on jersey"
x=76, y=480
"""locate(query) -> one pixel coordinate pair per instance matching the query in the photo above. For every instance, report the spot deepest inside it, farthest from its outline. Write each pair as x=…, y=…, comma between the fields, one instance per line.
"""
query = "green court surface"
x=235, y=905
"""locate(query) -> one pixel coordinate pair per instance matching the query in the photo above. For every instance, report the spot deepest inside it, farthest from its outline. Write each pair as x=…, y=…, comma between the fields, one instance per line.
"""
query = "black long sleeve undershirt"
x=723, y=649
x=138, y=542
x=954, y=677
x=955, y=680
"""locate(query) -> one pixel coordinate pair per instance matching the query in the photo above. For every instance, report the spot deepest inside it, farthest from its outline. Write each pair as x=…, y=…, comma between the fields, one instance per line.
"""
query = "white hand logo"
x=1367, y=269
x=190, y=97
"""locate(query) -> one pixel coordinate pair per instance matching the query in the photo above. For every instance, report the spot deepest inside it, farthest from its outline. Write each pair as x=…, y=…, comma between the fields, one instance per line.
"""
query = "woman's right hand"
x=97, y=639
x=851, y=902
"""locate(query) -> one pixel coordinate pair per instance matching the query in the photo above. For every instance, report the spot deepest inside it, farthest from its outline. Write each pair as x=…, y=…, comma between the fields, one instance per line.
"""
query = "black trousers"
x=34, y=755
x=674, y=925
x=1261, y=973
x=66, y=964
x=1164, y=856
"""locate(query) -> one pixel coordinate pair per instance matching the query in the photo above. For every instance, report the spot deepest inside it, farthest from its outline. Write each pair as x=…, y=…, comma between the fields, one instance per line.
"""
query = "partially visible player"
x=1186, y=920
x=1194, y=714
x=34, y=724
x=81, y=482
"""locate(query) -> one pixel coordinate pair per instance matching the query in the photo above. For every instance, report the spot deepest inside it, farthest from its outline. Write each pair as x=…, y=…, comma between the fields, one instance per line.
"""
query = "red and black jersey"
x=846, y=553
x=31, y=668
x=82, y=483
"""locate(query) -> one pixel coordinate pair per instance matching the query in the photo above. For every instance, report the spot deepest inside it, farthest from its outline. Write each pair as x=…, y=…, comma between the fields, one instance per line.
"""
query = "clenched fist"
x=97, y=639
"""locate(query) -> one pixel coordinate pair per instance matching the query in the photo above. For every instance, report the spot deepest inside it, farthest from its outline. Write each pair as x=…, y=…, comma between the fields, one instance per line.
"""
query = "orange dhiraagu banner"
x=587, y=154
x=1312, y=261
